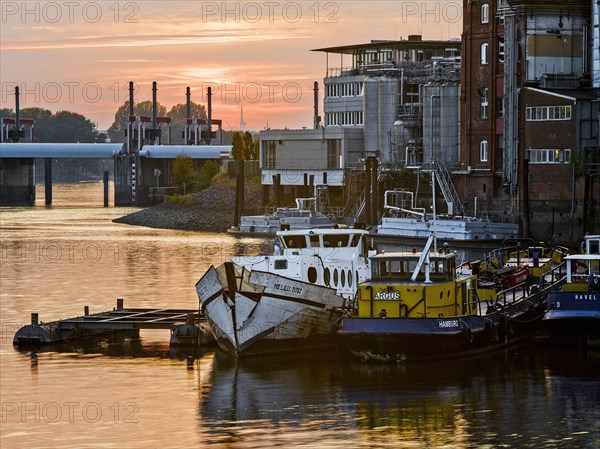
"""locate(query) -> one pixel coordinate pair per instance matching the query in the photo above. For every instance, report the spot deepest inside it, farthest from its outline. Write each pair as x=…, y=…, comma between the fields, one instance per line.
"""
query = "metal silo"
x=380, y=112
x=440, y=122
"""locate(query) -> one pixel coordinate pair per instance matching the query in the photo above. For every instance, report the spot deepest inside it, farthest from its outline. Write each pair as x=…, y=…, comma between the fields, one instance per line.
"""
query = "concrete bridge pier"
x=48, y=180
x=17, y=182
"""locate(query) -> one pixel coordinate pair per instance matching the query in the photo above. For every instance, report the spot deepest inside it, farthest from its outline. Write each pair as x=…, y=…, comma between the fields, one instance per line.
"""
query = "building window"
x=542, y=113
x=483, y=92
x=334, y=151
x=548, y=156
x=500, y=49
x=485, y=13
x=270, y=146
x=483, y=151
x=359, y=118
x=484, y=53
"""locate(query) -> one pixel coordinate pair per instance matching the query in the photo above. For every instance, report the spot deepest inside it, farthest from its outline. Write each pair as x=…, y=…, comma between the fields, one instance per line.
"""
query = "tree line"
x=58, y=127
x=71, y=127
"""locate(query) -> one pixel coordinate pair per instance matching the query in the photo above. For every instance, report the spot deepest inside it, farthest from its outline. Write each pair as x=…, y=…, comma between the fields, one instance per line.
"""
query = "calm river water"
x=129, y=394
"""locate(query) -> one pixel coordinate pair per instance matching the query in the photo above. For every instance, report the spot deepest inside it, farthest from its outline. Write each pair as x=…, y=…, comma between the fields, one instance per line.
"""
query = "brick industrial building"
x=529, y=105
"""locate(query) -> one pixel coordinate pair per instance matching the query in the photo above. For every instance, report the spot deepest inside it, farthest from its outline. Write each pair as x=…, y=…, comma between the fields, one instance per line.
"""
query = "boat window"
x=380, y=269
x=281, y=264
x=394, y=267
x=314, y=241
x=335, y=277
x=295, y=241
x=412, y=264
x=343, y=276
x=327, y=276
x=335, y=240
x=356, y=240
x=349, y=278
x=312, y=275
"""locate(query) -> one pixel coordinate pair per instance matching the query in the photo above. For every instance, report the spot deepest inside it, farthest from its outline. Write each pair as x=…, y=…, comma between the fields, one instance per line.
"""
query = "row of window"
x=339, y=278
x=548, y=156
x=538, y=113
x=343, y=118
x=344, y=89
x=535, y=156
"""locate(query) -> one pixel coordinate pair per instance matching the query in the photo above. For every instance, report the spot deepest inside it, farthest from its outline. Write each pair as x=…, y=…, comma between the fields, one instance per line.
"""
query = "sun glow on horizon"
x=82, y=59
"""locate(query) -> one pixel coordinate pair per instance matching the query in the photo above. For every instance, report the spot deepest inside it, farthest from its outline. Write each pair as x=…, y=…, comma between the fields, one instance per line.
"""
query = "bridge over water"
x=134, y=172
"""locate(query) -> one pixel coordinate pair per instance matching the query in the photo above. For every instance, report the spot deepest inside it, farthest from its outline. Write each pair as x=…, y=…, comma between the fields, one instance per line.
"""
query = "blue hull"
x=573, y=315
x=398, y=339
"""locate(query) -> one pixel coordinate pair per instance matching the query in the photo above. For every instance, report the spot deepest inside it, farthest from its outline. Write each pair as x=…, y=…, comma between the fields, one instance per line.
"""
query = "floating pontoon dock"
x=187, y=326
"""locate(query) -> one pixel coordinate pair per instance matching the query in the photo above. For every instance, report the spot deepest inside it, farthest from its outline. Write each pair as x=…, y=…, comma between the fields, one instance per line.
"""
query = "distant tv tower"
x=242, y=122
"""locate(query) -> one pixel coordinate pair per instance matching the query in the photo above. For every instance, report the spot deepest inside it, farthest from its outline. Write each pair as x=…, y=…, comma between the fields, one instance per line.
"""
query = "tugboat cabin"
x=416, y=285
x=401, y=265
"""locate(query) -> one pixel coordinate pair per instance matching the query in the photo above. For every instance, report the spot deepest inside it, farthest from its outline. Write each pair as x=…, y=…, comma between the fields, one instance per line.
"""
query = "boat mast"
x=433, y=201
x=424, y=259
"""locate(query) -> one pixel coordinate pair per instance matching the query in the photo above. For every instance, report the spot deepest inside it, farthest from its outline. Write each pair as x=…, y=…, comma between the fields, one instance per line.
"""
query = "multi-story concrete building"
x=529, y=106
x=397, y=100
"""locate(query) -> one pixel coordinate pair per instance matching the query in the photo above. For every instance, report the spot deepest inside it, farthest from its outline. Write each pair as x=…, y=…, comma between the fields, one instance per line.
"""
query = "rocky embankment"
x=211, y=211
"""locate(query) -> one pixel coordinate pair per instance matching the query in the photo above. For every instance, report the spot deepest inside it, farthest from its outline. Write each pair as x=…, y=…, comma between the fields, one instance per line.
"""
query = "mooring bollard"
x=34, y=319
x=86, y=310
x=119, y=303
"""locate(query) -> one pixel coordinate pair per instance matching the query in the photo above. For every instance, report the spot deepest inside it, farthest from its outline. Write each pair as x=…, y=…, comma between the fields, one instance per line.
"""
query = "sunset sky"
x=80, y=55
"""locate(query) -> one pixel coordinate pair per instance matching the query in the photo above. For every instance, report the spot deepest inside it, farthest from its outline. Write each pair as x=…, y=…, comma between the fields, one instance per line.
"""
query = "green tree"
x=41, y=122
x=178, y=114
x=60, y=127
x=116, y=132
x=250, y=147
x=70, y=127
x=206, y=174
x=237, y=149
x=183, y=172
x=7, y=113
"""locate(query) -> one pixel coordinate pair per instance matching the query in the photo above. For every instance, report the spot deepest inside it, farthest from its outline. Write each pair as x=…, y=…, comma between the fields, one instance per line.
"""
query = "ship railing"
x=544, y=284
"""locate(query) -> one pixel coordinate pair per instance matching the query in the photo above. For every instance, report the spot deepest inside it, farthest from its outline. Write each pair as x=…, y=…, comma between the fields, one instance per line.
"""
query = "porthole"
x=327, y=276
x=349, y=278
x=343, y=276
x=312, y=275
x=335, y=277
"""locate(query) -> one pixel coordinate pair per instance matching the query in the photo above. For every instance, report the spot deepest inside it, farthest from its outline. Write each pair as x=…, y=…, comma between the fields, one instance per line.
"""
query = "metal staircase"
x=451, y=197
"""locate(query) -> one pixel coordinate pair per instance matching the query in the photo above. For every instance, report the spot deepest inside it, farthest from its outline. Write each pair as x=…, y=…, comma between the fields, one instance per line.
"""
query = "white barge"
x=292, y=299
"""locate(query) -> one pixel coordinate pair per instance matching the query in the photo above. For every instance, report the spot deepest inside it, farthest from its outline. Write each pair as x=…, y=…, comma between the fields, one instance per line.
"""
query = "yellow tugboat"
x=419, y=305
